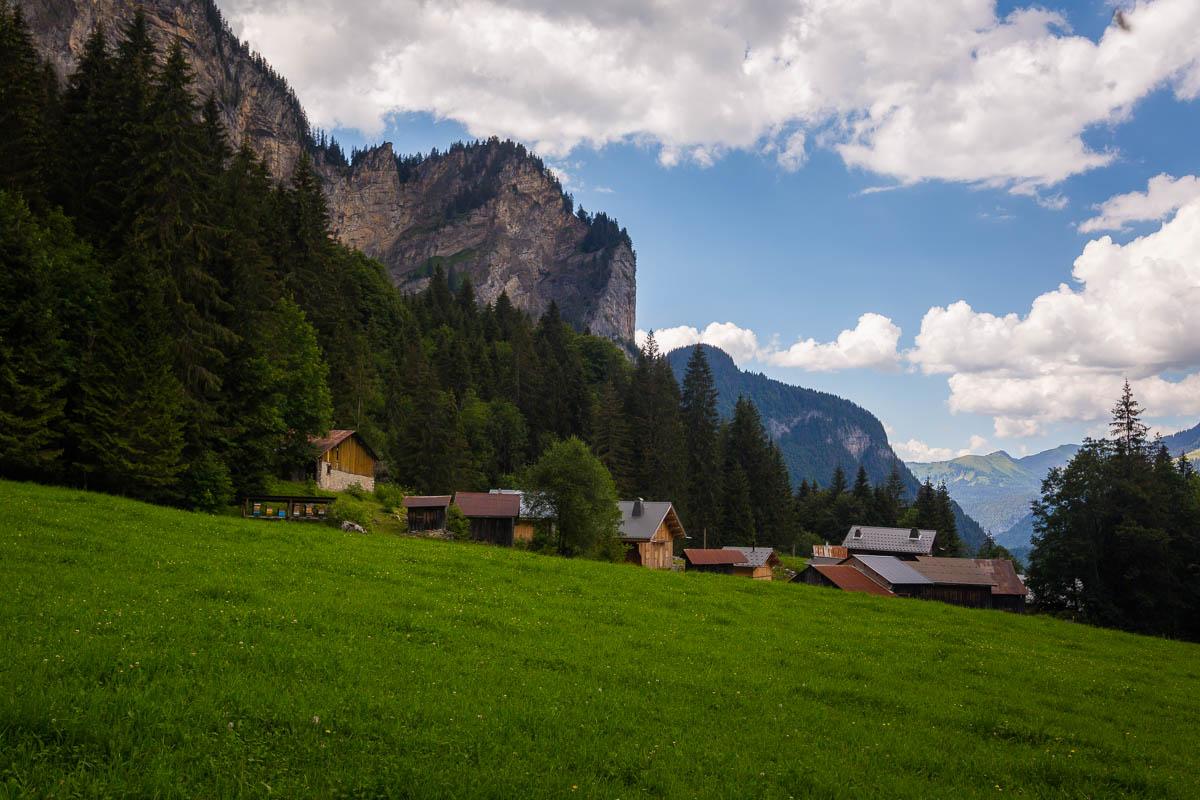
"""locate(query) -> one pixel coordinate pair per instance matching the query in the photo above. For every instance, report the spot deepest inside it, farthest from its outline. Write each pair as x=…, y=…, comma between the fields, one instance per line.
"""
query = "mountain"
x=490, y=211
x=816, y=431
x=997, y=489
x=1183, y=442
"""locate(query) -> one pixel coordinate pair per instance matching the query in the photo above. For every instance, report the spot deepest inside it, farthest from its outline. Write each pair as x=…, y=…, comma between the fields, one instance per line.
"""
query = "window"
x=858, y=533
x=914, y=534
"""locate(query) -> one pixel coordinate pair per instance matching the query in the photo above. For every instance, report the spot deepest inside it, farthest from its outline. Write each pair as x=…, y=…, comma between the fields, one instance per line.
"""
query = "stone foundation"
x=334, y=480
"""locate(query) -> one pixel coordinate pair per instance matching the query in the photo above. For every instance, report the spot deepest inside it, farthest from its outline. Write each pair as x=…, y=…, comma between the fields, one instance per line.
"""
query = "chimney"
x=638, y=509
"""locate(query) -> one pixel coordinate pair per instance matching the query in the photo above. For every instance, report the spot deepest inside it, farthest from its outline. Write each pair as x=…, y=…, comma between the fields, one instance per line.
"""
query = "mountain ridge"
x=492, y=212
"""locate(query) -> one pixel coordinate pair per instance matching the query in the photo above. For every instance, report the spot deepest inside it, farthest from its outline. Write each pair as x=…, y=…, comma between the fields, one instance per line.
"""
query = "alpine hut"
x=343, y=459
x=651, y=528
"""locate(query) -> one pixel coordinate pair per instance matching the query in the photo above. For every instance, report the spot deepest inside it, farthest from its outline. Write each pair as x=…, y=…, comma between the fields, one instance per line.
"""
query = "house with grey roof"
x=903, y=543
x=650, y=528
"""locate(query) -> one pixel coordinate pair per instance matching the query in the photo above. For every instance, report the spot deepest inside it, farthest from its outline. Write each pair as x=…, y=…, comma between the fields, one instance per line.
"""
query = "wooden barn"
x=698, y=559
x=343, y=458
x=757, y=563
x=529, y=519
x=958, y=581
x=493, y=517
x=426, y=512
x=840, y=576
x=651, y=529
x=1008, y=590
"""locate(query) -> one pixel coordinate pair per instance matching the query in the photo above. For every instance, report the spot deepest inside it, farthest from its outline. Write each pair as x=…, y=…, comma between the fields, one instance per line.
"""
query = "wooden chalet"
x=651, y=529
x=493, y=517
x=903, y=543
x=343, y=459
x=426, y=512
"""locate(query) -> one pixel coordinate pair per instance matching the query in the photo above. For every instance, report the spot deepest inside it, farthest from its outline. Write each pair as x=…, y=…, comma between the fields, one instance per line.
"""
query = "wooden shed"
x=757, y=563
x=958, y=581
x=1008, y=590
x=651, y=529
x=529, y=517
x=841, y=576
x=493, y=517
x=698, y=559
x=343, y=459
x=426, y=512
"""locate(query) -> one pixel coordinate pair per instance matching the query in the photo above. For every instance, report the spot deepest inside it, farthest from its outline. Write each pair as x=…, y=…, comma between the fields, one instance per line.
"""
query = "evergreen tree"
x=701, y=427
x=24, y=142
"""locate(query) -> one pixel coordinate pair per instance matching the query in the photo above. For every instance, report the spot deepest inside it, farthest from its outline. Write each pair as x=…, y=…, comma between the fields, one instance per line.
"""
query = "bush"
x=390, y=496
x=356, y=491
x=457, y=524
x=348, y=509
x=207, y=485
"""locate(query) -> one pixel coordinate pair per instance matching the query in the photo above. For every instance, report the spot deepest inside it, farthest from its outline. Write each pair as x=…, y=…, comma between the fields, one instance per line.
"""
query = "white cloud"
x=974, y=445
x=872, y=343
x=904, y=88
x=916, y=450
x=869, y=345
x=1129, y=313
x=1163, y=196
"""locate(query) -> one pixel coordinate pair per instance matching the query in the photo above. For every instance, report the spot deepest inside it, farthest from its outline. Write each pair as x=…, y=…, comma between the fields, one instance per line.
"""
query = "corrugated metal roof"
x=956, y=571
x=893, y=570
x=1004, y=576
x=427, y=501
x=642, y=528
x=890, y=540
x=830, y=551
x=708, y=558
x=485, y=504
x=755, y=556
x=849, y=579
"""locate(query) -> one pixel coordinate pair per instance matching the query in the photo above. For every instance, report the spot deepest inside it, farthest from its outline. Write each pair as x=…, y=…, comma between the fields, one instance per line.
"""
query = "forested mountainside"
x=1183, y=442
x=816, y=432
x=489, y=211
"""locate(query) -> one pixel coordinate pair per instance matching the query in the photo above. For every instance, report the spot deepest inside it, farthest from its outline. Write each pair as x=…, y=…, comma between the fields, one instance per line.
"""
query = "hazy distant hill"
x=997, y=489
x=1183, y=442
x=816, y=431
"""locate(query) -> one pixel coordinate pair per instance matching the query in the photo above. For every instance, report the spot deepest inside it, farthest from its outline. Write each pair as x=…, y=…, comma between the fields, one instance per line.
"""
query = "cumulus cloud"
x=974, y=445
x=1163, y=196
x=871, y=344
x=904, y=88
x=1129, y=313
x=918, y=451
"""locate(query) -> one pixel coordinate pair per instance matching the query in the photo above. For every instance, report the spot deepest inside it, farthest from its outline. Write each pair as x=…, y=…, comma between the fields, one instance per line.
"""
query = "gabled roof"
x=641, y=528
x=755, y=556
x=1004, y=576
x=909, y=541
x=953, y=571
x=485, y=504
x=893, y=570
x=427, y=501
x=324, y=444
x=849, y=579
x=707, y=558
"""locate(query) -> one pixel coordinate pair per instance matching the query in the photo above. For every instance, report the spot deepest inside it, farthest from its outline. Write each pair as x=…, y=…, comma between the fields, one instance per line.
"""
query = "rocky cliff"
x=490, y=211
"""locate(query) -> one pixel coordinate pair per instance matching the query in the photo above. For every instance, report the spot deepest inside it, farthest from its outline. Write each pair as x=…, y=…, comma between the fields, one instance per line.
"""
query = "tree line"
x=1117, y=534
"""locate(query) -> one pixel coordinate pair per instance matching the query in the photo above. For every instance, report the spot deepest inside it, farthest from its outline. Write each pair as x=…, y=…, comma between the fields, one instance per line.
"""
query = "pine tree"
x=23, y=102
x=701, y=427
x=1127, y=428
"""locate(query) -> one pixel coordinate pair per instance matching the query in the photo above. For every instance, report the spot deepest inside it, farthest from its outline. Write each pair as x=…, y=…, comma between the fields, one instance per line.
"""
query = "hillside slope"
x=491, y=211
x=1184, y=441
x=151, y=652
x=995, y=489
x=816, y=431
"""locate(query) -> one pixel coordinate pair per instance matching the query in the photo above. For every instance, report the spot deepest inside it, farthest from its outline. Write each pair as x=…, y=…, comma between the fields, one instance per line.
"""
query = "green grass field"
x=151, y=652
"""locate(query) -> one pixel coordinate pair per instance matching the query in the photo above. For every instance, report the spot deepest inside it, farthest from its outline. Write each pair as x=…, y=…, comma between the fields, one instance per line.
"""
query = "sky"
x=974, y=219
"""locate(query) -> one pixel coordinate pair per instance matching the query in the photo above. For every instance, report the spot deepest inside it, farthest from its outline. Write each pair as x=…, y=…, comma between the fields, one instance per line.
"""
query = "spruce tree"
x=24, y=144
x=701, y=427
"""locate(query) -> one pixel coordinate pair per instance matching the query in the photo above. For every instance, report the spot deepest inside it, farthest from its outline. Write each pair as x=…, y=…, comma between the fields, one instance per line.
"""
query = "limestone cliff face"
x=490, y=212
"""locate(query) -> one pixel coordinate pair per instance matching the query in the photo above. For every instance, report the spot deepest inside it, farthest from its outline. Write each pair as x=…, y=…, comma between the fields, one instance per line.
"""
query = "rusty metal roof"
x=955, y=571
x=849, y=579
x=485, y=504
x=427, y=501
x=708, y=558
x=830, y=551
x=1004, y=575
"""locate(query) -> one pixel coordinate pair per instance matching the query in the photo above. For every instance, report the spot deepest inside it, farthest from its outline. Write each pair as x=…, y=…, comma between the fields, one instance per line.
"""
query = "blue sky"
x=729, y=232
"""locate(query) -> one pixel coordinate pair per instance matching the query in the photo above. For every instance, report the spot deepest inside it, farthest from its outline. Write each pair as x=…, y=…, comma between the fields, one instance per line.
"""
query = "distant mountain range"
x=816, y=431
x=997, y=489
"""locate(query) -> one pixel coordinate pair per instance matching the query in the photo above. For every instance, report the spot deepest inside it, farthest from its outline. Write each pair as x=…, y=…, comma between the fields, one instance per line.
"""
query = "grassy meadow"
x=151, y=652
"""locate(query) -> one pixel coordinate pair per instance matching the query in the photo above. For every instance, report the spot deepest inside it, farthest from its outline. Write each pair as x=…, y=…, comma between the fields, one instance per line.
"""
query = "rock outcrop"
x=491, y=211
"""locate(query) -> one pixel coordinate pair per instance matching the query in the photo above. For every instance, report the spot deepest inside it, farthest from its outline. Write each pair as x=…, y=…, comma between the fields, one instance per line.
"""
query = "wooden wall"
x=350, y=456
